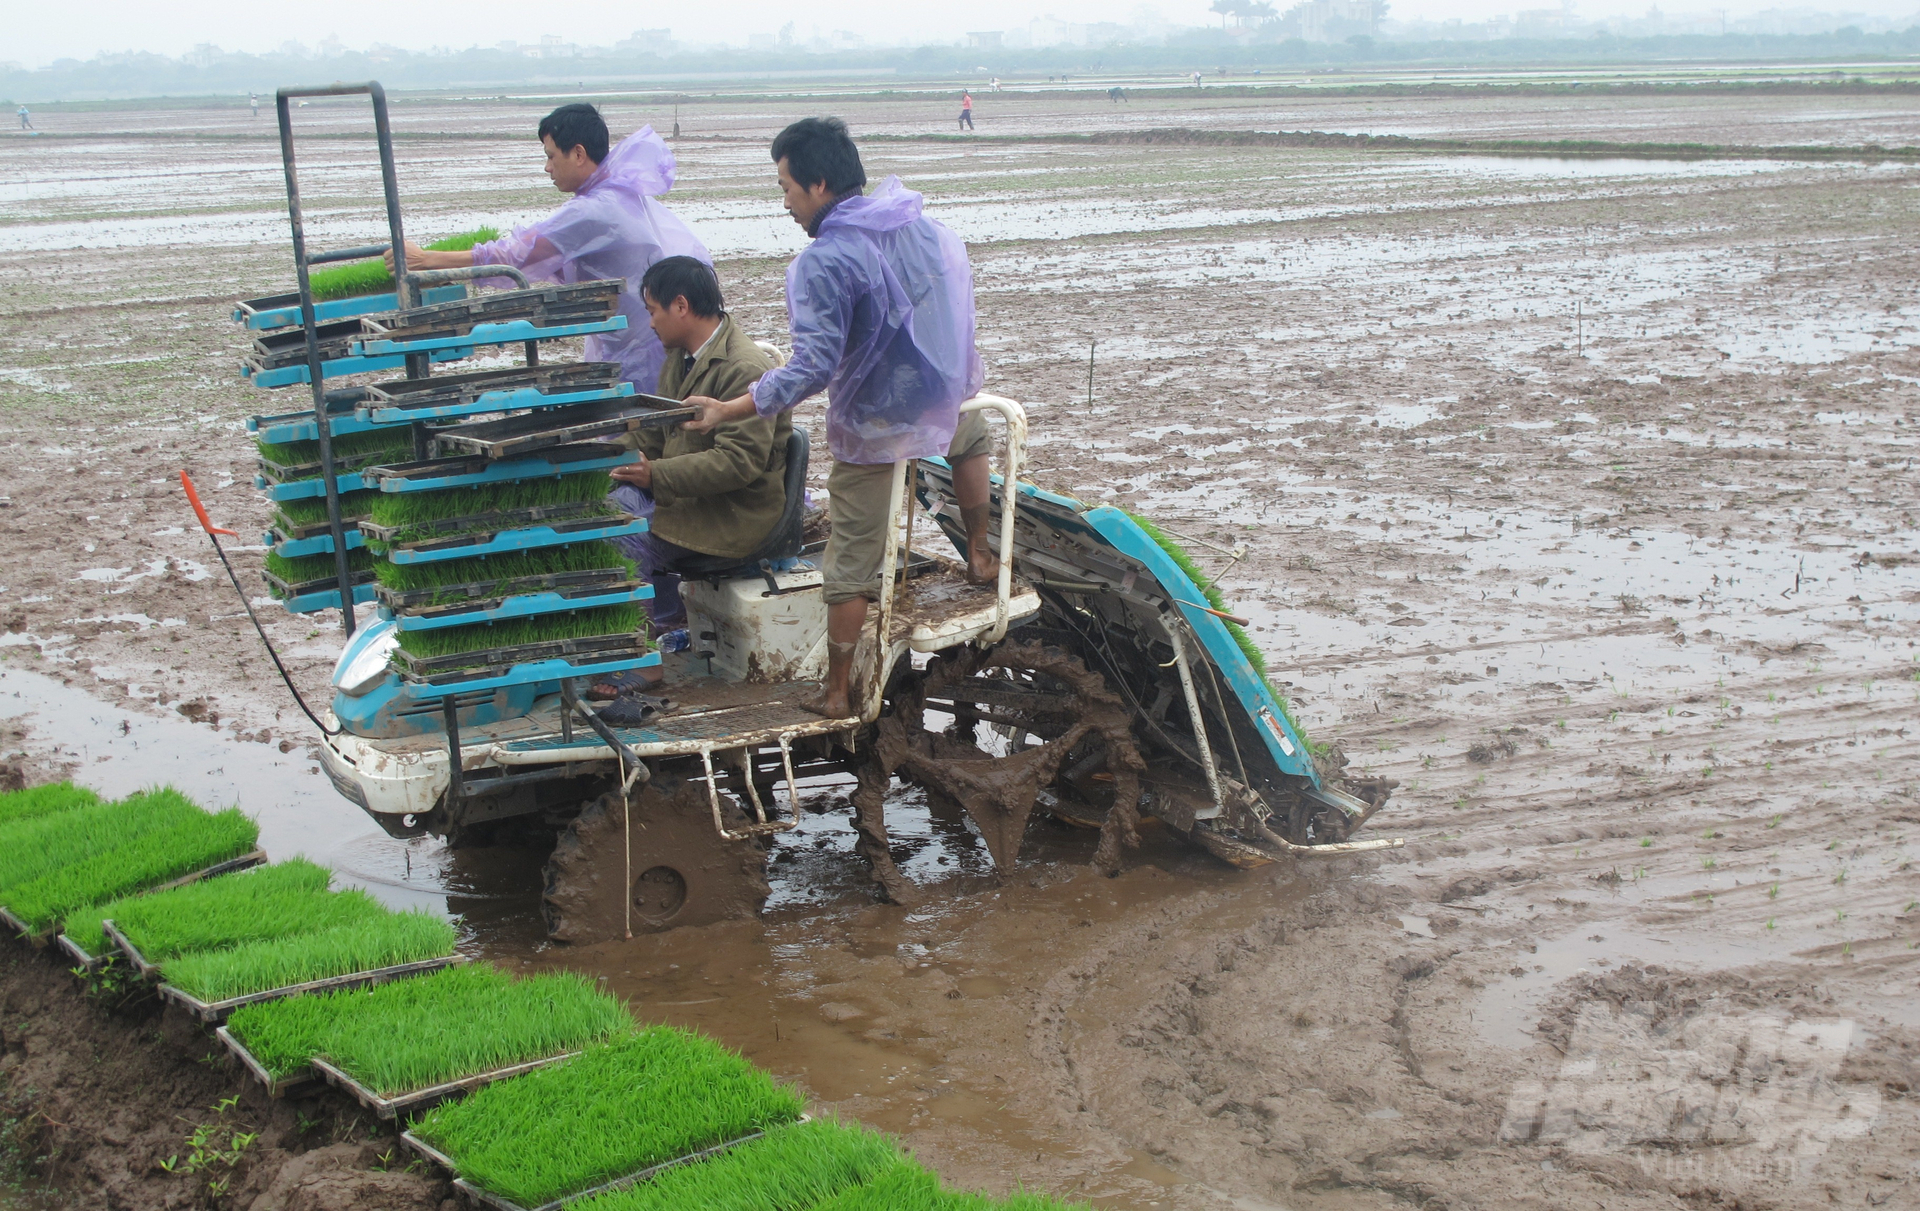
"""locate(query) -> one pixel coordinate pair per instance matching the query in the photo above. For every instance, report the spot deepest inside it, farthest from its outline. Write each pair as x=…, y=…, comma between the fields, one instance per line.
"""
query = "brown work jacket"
x=718, y=493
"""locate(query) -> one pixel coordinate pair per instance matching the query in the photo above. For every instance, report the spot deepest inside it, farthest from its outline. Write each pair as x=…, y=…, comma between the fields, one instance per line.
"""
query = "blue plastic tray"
x=520, y=607
x=287, y=376
x=339, y=309
x=489, y=334
x=540, y=670
x=492, y=401
x=301, y=489
x=319, y=544
x=503, y=472
x=300, y=427
x=521, y=540
x=307, y=603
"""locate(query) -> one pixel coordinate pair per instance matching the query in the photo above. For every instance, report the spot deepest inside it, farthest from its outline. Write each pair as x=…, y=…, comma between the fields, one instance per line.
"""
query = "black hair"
x=684, y=277
x=577, y=125
x=820, y=149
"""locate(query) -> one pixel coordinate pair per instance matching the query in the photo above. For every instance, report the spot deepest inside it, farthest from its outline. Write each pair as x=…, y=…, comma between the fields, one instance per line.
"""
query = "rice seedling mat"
x=459, y=395
x=283, y=310
x=420, y=1099
x=546, y=306
x=276, y=1086
x=433, y=474
x=526, y=538
x=518, y=436
x=492, y=662
x=300, y=588
x=216, y=1011
x=485, y=594
x=500, y=1202
x=525, y=606
x=492, y=521
x=41, y=937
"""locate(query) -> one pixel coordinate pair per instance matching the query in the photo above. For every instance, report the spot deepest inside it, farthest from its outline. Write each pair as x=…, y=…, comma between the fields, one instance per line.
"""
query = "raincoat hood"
x=641, y=164
x=888, y=208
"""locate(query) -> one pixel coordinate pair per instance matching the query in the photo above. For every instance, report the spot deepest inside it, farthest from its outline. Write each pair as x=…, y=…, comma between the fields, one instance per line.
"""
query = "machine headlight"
x=363, y=666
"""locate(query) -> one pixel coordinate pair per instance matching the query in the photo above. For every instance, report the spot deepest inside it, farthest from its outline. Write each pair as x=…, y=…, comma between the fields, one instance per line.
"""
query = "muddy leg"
x=870, y=805
x=1121, y=825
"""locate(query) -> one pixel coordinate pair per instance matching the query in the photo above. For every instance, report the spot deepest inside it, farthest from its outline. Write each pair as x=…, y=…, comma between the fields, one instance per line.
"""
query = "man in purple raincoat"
x=881, y=311
x=612, y=227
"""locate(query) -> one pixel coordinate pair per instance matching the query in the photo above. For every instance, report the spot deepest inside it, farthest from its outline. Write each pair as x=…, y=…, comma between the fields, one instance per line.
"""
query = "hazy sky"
x=38, y=31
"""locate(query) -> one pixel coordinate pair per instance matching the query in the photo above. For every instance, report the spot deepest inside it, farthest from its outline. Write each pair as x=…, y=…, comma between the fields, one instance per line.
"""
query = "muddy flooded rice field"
x=1576, y=494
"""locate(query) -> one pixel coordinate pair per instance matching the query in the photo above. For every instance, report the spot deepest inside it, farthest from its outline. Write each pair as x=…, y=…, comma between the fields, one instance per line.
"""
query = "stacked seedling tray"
x=619, y=1113
x=409, y=1044
x=62, y=850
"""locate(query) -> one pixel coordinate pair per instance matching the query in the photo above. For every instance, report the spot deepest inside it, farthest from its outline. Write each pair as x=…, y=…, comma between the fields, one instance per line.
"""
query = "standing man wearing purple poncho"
x=881, y=310
x=614, y=226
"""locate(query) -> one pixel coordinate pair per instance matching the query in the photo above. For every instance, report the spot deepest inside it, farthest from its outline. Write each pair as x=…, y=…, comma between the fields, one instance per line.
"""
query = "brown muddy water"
x=1578, y=496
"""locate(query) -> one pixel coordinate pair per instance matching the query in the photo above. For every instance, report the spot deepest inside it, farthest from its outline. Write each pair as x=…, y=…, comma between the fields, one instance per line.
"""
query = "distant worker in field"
x=253, y=103
x=1196, y=79
x=880, y=306
x=26, y=119
x=995, y=83
x=966, y=110
x=614, y=226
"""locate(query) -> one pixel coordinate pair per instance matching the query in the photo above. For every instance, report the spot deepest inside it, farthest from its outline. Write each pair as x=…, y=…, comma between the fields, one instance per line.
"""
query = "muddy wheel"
x=681, y=871
x=1020, y=712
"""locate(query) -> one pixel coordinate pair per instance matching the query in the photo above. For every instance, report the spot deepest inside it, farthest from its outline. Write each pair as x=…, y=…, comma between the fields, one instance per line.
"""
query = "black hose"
x=254, y=618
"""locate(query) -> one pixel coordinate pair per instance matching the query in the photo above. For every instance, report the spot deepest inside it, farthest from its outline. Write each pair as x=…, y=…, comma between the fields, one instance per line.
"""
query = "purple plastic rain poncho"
x=612, y=228
x=881, y=310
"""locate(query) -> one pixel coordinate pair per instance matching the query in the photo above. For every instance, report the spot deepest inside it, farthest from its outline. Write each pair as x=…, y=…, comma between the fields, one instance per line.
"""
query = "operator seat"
x=782, y=542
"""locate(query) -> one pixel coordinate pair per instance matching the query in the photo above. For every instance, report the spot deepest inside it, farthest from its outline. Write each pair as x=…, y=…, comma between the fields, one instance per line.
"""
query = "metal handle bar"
x=466, y=273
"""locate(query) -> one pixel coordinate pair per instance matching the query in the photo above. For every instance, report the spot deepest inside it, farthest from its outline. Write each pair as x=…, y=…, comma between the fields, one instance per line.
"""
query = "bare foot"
x=831, y=705
x=983, y=567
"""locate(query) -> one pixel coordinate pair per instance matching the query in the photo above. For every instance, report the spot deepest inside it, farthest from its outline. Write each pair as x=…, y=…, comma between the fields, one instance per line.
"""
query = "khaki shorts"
x=857, y=496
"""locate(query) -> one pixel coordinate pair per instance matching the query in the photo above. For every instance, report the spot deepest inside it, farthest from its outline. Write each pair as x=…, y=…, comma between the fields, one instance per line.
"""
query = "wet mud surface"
x=1577, y=496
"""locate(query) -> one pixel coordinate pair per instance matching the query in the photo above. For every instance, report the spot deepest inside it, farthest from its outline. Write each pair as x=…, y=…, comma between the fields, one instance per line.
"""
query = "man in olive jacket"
x=715, y=493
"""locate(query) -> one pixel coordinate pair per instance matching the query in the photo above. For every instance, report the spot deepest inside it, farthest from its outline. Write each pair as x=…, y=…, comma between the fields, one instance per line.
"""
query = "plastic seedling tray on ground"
x=420, y=1099
x=501, y=1203
x=434, y=474
x=547, y=306
x=518, y=436
x=525, y=606
x=790, y=1168
x=217, y=1011
x=469, y=595
x=277, y=1086
x=48, y=799
x=457, y=395
x=505, y=542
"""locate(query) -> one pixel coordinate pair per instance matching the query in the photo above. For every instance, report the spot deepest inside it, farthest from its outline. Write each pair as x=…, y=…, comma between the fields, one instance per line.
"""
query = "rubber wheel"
x=681, y=871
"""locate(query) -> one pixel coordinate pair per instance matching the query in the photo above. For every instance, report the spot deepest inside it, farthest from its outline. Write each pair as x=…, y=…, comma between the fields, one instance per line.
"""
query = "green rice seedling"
x=621, y=1107
x=380, y=546
x=266, y=902
x=194, y=843
x=546, y=561
x=416, y=1033
x=383, y=940
x=33, y=848
x=371, y=277
x=908, y=1187
x=47, y=800
x=794, y=1168
x=417, y=508
x=303, y=568
x=541, y=628
x=312, y=510
x=367, y=446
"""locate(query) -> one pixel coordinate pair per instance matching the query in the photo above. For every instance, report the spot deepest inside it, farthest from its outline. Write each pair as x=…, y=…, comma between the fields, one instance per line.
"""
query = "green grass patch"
x=47, y=800
x=794, y=1168
x=34, y=848
x=908, y=1187
x=194, y=843
x=312, y=510
x=367, y=944
x=416, y=508
x=303, y=568
x=1248, y=648
x=621, y=1107
x=410, y=1034
x=276, y=901
x=545, y=561
x=541, y=628
x=367, y=446
x=371, y=277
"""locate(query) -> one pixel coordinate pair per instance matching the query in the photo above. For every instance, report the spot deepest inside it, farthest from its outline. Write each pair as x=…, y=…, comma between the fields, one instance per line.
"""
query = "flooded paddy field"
x=1577, y=495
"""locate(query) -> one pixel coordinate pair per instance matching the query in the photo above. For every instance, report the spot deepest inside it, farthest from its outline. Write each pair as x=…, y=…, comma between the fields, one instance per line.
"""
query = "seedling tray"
x=491, y=391
x=79, y=955
x=580, y=302
x=527, y=606
x=587, y=529
x=301, y=489
x=481, y=523
x=439, y=670
x=499, y=1202
x=517, y=436
x=276, y=1086
x=299, y=426
x=253, y=858
x=287, y=376
x=420, y=1099
x=512, y=332
x=485, y=594
x=535, y=673
x=432, y=474
x=280, y=310
x=323, y=594
x=281, y=473
x=288, y=347
x=315, y=544
x=285, y=531
x=299, y=587
x=217, y=1011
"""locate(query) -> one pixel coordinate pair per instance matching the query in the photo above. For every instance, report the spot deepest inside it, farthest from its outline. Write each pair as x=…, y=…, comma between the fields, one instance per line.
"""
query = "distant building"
x=1332, y=20
x=986, y=39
